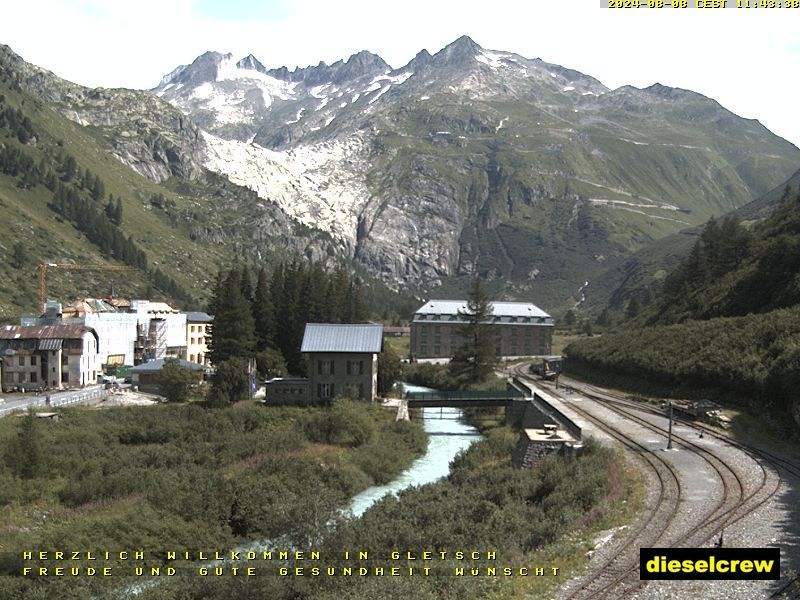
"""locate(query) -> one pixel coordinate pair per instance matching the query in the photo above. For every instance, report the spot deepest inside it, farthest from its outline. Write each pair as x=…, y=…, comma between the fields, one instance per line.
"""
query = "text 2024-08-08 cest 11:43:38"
x=703, y=4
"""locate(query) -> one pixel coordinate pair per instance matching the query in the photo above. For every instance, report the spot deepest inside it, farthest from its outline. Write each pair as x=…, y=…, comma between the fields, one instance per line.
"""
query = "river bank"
x=178, y=477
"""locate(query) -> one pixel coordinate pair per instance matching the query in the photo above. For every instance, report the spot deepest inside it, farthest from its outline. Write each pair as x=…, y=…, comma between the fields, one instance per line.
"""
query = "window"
x=33, y=377
x=193, y=341
x=325, y=367
x=21, y=361
x=33, y=361
x=355, y=367
x=325, y=390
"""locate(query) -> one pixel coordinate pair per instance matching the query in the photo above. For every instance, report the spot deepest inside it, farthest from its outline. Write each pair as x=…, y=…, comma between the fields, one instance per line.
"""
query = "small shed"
x=288, y=391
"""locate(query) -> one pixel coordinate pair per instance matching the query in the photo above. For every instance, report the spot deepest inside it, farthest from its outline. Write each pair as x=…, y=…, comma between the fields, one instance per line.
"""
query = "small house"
x=343, y=360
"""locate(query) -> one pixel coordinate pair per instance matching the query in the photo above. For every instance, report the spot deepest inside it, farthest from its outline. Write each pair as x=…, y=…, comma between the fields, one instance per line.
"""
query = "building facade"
x=521, y=329
x=49, y=356
x=343, y=360
x=198, y=331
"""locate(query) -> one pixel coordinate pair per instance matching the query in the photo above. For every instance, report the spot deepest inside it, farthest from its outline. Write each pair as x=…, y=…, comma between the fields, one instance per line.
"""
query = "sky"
x=746, y=59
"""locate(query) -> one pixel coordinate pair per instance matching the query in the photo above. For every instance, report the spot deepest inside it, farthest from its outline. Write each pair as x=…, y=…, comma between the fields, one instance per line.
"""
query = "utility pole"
x=669, y=439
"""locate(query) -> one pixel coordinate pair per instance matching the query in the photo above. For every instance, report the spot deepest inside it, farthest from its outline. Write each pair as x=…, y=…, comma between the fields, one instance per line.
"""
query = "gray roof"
x=198, y=317
x=325, y=337
x=499, y=309
x=156, y=365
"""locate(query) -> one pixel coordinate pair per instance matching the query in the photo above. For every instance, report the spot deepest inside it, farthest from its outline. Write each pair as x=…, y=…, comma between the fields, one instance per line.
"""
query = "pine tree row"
x=268, y=318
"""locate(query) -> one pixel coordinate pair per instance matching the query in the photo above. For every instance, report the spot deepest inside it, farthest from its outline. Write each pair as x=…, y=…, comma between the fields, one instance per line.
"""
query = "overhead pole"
x=71, y=267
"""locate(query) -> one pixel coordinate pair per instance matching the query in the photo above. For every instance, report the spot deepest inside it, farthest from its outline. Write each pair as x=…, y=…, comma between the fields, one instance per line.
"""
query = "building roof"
x=198, y=317
x=326, y=337
x=50, y=344
x=42, y=332
x=499, y=309
x=84, y=306
x=156, y=365
x=158, y=307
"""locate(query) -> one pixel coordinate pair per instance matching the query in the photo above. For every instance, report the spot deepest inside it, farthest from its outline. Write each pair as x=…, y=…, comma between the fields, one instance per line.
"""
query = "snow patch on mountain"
x=298, y=117
x=379, y=94
x=493, y=59
x=321, y=185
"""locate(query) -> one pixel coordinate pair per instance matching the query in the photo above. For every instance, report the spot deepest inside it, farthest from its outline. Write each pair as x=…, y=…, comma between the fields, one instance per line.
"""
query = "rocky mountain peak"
x=420, y=61
x=252, y=63
x=360, y=64
x=204, y=69
x=461, y=51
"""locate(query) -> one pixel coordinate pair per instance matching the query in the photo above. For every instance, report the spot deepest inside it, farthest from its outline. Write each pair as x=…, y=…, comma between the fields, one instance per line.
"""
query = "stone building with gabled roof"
x=342, y=359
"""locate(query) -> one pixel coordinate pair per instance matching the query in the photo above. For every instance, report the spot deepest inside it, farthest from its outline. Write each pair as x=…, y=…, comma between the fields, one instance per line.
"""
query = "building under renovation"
x=129, y=332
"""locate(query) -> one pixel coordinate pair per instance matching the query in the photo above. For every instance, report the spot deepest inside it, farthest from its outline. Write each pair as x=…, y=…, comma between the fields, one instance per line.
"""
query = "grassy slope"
x=47, y=238
x=752, y=360
x=701, y=170
x=648, y=267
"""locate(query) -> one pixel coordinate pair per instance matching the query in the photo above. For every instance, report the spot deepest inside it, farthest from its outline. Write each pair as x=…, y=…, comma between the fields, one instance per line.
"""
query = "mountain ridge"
x=467, y=161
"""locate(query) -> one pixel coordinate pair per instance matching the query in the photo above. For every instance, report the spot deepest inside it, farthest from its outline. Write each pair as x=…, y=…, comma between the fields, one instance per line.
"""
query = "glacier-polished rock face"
x=323, y=185
x=320, y=185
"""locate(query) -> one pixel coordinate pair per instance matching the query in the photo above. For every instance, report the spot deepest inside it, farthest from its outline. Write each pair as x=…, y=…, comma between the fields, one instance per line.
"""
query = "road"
x=21, y=403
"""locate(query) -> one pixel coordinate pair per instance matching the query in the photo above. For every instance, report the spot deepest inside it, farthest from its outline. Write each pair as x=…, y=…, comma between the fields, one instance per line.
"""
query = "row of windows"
x=494, y=319
x=197, y=328
x=328, y=390
x=194, y=341
x=352, y=367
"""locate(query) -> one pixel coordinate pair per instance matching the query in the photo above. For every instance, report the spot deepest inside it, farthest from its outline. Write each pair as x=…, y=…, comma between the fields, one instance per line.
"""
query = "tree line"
x=733, y=270
x=265, y=317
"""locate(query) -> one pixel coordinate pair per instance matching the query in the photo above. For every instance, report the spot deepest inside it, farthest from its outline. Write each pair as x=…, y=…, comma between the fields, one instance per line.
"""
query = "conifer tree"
x=233, y=334
x=634, y=308
x=476, y=358
x=263, y=313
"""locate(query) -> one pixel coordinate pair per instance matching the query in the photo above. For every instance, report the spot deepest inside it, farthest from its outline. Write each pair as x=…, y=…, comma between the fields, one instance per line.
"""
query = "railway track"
x=741, y=492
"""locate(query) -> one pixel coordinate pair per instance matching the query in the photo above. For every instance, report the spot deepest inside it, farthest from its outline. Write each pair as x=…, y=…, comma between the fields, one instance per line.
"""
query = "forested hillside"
x=735, y=302
x=733, y=270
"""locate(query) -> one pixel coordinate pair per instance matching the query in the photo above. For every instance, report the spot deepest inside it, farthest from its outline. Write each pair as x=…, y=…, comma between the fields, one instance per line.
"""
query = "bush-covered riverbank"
x=530, y=519
x=185, y=477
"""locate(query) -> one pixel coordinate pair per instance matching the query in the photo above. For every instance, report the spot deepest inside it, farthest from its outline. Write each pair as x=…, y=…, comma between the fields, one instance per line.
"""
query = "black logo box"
x=709, y=563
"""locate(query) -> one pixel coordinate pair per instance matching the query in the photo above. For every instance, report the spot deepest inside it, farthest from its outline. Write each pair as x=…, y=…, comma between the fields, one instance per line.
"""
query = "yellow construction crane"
x=71, y=267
